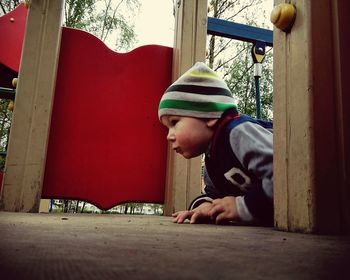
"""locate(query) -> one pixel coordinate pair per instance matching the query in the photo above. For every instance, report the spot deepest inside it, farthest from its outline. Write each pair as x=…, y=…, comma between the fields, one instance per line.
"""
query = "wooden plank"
x=280, y=156
x=44, y=206
x=307, y=161
x=325, y=133
x=184, y=176
x=31, y=120
x=341, y=33
x=35, y=246
x=292, y=185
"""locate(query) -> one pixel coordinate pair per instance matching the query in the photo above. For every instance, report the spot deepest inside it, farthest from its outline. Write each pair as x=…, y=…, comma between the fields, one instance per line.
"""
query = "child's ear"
x=211, y=122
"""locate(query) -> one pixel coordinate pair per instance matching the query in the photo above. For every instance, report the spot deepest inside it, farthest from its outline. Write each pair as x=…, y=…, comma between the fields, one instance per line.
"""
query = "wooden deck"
x=84, y=246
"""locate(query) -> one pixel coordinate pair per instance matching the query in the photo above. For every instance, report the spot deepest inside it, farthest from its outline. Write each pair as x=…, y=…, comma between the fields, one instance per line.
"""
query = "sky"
x=155, y=23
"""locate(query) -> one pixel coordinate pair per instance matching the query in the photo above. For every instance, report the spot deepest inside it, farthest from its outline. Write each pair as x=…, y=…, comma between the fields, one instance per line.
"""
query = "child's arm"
x=253, y=146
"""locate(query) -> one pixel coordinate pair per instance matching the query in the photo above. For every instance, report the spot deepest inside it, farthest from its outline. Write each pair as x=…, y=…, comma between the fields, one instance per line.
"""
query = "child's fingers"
x=181, y=216
x=184, y=215
x=176, y=217
x=200, y=217
x=194, y=217
x=220, y=218
x=215, y=211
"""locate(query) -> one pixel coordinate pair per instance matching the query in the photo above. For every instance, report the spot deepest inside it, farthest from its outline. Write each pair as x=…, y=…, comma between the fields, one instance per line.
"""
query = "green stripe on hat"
x=195, y=106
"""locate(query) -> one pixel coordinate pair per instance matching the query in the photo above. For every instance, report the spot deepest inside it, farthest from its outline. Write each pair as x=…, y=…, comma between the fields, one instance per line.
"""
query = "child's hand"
x=197, y=215
x=224, y=210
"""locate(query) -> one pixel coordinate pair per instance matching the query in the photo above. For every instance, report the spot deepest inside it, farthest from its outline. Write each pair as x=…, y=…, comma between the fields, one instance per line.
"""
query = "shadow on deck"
x=84, y=246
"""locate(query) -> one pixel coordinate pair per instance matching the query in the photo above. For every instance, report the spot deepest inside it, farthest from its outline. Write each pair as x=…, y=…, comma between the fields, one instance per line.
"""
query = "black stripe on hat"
x=200, y=90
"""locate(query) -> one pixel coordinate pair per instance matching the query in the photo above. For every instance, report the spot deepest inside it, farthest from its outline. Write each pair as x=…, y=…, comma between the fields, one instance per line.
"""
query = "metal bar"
x=239, y=31
x=7, y=93
x=257, y=97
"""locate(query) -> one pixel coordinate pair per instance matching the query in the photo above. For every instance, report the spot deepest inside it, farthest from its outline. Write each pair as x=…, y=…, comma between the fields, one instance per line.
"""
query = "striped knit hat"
x=198, y=93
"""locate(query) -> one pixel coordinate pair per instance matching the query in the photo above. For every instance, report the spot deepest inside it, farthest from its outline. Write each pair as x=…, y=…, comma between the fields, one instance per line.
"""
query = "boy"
x=200, y=114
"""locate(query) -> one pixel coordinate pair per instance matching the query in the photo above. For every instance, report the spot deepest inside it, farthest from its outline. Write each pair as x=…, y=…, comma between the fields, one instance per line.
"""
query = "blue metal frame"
x=239, y=31
x=259, y=37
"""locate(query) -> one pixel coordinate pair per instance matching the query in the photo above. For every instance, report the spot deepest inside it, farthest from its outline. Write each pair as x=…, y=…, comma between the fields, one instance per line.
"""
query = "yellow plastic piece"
x=26, y=3
x=10, y=106
x=283, y=16
x=14, y=82
x=259, y=57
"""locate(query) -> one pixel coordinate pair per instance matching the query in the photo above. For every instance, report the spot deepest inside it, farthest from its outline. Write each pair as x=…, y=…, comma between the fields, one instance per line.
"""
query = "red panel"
x=12, y=28
x=106, y=144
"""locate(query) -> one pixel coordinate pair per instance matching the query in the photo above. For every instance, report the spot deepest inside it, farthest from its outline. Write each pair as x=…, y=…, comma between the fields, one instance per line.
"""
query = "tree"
x=8, y=5
x=107, y=20
x=5, y=123
x=232, y=58
x=104, y=19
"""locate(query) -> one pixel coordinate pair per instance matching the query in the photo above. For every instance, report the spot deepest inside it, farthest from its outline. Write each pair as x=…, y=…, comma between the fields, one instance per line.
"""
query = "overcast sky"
x=155, y=23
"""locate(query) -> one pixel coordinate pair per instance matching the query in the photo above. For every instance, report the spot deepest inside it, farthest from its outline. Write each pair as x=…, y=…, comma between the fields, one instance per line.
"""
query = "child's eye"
x=173, y=122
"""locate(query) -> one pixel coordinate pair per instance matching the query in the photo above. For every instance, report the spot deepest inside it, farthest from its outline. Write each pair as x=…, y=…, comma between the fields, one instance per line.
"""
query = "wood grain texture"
x=26, y=155
x=184, y=176
x=309, y=165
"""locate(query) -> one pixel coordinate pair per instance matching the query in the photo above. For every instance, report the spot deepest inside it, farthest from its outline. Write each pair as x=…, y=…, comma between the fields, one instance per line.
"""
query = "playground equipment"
x=258, y=54
x=31, y=123
x=106, y=145
x=283, y=16
x=311, y=120
x=65, y=176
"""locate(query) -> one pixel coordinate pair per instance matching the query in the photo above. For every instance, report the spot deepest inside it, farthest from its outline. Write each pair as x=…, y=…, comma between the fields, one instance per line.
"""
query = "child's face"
x=189, y=136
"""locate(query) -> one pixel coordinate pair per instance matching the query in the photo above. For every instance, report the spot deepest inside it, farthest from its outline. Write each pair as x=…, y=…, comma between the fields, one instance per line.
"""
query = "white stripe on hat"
x=189, y=113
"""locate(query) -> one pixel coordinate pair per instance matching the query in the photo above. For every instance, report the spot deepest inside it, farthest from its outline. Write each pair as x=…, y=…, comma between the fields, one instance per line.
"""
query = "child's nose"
x=170, y=136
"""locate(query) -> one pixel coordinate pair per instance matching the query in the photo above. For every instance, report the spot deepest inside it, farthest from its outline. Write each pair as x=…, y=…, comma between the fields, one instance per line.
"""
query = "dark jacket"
x=240, y=163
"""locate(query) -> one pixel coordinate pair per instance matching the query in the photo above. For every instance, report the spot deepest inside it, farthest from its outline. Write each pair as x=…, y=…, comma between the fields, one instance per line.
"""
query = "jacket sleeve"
x=210, y=192
x=253, y=146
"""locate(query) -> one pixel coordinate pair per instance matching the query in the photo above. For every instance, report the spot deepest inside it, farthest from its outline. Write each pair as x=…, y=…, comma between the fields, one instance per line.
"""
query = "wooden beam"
x=184, y=176
x=26, y=155
x=309, y=125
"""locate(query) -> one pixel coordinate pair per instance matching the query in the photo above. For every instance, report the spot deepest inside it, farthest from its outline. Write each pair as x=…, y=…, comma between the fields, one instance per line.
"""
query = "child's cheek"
x=184, y=139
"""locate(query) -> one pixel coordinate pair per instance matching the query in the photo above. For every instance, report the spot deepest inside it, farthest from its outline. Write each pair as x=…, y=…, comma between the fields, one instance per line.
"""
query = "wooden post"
x=44, y=206
x=26, y=155
x=184, y=176
x=311, y=120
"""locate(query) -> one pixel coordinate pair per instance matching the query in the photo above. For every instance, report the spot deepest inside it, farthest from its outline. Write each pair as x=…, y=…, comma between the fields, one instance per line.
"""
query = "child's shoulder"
x=247, y=119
